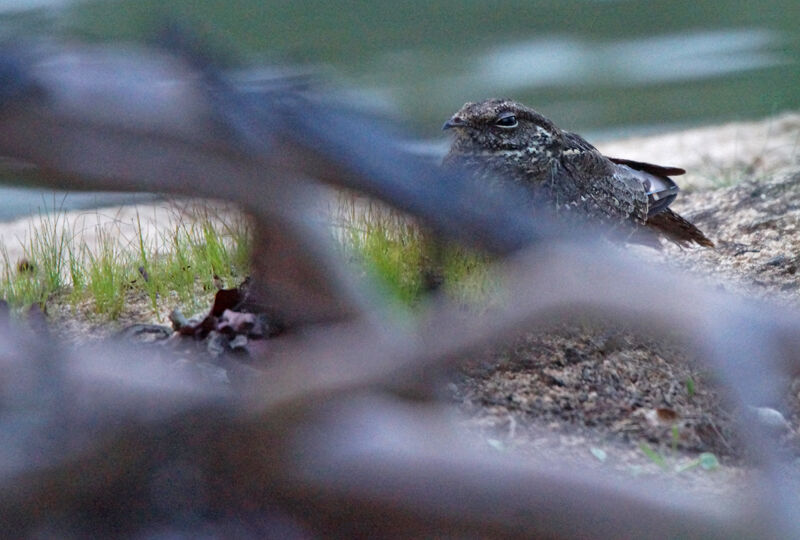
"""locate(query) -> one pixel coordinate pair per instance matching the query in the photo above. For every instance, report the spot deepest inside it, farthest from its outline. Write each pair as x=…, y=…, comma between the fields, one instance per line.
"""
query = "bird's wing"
x=660, y=189
x=614, y=190
x=658, y=170
x=639, y=191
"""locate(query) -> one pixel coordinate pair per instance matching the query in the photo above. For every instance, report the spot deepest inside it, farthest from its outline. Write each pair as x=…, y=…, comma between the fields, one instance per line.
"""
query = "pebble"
x=216, y=343
x=769, y=417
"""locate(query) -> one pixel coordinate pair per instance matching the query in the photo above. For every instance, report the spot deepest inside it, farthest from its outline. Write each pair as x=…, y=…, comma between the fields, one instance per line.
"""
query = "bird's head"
x=502, y=128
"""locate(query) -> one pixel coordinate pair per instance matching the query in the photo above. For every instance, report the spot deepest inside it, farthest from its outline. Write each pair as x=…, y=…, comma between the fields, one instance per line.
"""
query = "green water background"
x=604, y=68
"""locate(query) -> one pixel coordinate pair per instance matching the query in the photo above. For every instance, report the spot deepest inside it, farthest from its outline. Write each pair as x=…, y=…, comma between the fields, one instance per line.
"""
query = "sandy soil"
x=121, y=223
x=716, y=156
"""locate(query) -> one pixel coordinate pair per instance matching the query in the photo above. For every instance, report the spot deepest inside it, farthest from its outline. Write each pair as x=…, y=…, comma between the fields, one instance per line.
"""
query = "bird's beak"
x=455, y=121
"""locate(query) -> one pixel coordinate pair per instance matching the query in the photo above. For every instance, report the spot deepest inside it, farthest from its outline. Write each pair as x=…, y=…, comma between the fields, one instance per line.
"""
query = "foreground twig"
x=109, y=426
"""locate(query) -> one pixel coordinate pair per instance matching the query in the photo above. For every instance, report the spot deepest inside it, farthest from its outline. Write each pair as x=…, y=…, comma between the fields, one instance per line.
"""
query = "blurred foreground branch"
x=108, y=442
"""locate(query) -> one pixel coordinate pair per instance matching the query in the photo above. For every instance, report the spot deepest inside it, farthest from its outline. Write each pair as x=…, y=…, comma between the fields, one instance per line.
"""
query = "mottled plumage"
x=502, y=139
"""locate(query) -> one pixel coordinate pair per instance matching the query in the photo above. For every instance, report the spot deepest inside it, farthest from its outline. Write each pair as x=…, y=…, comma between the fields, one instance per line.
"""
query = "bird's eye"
x=506, y=121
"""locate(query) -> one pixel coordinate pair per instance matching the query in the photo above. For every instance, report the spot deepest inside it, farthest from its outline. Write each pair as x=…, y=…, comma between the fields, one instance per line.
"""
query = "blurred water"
x=17, y=202
x=562, y=60
x=12, y=6
x=599, y=67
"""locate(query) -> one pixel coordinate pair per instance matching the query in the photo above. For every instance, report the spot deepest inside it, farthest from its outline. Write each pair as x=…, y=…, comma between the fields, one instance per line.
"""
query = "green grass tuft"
x=108, y=276
x=398, y=255
x=183, y=265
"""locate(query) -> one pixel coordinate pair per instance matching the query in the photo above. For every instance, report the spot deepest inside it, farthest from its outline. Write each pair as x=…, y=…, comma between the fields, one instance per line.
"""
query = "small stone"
x=769, y=417
x=239, y=343
x=216, y=343
x=178, y=319
x=553, y=380
x=145, y=333
x=778, y=260
x=234, y=322
x=598, y=453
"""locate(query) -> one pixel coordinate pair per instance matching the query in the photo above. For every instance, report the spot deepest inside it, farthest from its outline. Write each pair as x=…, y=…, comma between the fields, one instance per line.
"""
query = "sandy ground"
x=120, y=223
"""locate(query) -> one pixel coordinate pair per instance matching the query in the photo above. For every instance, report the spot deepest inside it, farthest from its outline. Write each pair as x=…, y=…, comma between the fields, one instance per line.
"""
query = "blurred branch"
x=104, y=118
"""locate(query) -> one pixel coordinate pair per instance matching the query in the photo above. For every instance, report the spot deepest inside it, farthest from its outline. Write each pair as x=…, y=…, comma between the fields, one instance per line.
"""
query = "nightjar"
x=501, y=139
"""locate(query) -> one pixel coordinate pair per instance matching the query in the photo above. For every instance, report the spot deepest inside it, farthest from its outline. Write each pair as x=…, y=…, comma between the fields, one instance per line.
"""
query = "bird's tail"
x=678, y=229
